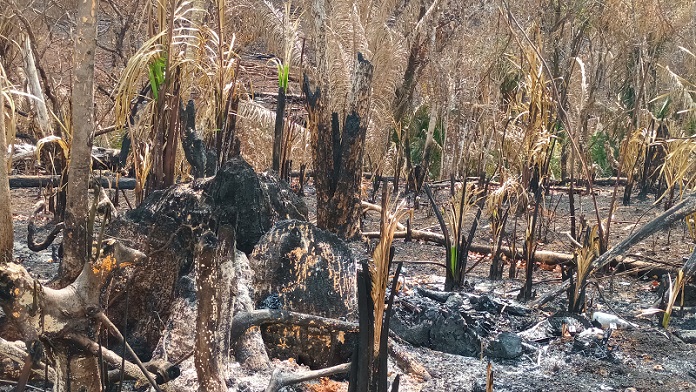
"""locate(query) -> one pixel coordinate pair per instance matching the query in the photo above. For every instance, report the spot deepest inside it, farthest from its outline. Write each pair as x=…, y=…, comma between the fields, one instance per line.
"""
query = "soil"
x=642, y=358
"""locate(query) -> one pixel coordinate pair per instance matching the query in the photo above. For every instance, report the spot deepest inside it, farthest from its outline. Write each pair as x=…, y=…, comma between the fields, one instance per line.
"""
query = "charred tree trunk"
x=75, y=370
x=278, y=135
x=6, y=229
x=193, y=145
x=403, y=97
x=338, y=153
x=369, y=365
x=75, y=242
x=228, y=144
x=49, y=319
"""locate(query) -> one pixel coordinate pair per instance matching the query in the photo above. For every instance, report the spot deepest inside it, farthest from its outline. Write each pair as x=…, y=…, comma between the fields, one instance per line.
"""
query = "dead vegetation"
x=515, y=107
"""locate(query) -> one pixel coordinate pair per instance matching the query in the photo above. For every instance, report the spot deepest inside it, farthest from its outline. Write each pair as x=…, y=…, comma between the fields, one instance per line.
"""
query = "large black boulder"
x=257, y=201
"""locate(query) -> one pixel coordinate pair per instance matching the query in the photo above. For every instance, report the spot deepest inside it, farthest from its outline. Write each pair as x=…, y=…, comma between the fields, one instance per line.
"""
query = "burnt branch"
x=31, y=233
x=666, y=219
x=280, y=379
x=246, y=320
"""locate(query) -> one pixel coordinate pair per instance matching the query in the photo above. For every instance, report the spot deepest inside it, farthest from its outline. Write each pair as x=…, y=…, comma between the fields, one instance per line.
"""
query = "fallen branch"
x=279, y=379
x=54, y=180
x=680, y=211
x=245, y=320
x=542, y=256
x=129, y=369
x=546, y=257
x=16, y=351
x=407, y=362
x=421, y=235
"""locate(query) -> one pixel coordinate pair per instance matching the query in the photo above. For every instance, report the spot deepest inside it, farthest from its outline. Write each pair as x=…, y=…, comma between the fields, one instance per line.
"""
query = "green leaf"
x=453, y=259
x=156, y=75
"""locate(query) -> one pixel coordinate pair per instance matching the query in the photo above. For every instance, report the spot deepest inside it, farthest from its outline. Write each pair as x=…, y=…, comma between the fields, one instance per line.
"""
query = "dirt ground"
x=642, y=358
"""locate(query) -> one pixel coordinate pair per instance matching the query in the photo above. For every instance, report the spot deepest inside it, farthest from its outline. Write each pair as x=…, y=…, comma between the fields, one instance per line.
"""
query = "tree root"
x=31, y=231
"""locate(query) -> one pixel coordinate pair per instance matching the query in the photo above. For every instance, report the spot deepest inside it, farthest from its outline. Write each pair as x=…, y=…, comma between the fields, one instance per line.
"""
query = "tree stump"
x=300, y=268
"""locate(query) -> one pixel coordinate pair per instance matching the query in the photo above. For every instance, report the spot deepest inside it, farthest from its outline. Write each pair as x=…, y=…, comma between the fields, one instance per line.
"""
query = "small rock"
x=506, y=346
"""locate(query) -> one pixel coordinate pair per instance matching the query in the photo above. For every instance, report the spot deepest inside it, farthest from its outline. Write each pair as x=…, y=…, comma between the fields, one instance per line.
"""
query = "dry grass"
x=379, y=268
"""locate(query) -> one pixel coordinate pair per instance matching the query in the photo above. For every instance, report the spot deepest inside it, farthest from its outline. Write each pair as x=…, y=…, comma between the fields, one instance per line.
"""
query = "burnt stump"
x=167, y=226
x=300, y=268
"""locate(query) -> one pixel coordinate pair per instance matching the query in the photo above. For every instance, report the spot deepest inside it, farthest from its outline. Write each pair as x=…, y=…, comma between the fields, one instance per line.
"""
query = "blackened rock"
x=507, y=345
x=483, y=303
x=311, y=271
x=235, y=196
x=687, y=335
x=271, y=302
x=449, y=327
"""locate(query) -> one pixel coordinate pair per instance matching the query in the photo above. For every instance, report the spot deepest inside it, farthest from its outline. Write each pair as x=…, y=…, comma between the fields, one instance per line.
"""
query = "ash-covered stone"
x=453, y=327
x=507, y=345
x=271, y=302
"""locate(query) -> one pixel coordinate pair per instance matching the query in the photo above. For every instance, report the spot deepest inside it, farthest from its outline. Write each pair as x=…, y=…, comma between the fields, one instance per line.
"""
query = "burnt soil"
x=644, y=358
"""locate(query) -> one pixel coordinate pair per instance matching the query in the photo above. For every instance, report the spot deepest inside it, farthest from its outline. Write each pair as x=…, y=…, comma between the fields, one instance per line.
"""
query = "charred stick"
x=280, y=379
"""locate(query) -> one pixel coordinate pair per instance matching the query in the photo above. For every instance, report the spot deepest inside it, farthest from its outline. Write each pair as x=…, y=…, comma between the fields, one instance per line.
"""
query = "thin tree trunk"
x=35, y=89
x=75, y=370
x=75, y=241
x=6, y=229
x=427, y=149
x=207, y=346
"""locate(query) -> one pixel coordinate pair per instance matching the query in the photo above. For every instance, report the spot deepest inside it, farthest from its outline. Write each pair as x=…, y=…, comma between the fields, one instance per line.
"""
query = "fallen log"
x=54, y=180
x=546, y=257
x=102, y=158
x=17, y=352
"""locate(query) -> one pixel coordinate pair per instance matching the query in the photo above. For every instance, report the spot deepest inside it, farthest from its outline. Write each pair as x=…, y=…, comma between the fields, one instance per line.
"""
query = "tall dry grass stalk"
x=391, y=214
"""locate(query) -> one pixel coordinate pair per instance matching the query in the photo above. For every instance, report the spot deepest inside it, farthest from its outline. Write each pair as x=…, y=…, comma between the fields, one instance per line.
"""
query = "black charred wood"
x=194, y=147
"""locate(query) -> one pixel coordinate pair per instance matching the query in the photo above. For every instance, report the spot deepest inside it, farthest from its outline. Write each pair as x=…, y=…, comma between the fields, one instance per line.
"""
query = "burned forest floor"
x=456, y=336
